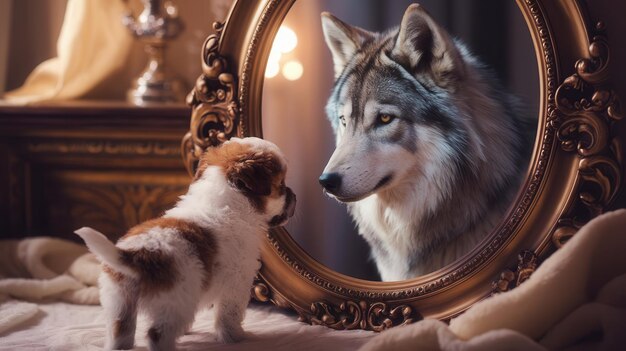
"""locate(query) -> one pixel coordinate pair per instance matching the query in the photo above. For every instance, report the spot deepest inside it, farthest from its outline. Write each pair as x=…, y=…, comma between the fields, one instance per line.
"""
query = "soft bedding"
x=59, y=280
x=64, y=327
x=574, y=301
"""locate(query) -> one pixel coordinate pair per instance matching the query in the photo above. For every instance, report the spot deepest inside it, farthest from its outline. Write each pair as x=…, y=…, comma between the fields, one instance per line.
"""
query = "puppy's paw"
x=120, y=345
x=230, y=335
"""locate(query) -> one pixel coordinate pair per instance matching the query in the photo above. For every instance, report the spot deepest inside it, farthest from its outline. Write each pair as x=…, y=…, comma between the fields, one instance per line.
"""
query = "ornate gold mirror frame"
x=574, y=174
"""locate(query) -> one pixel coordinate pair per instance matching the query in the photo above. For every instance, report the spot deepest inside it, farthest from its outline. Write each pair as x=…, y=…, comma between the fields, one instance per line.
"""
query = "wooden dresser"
x=107, y=165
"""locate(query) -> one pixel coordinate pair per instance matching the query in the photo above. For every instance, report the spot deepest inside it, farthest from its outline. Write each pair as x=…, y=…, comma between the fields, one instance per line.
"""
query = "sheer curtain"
x=33, y=28
x=93, y=46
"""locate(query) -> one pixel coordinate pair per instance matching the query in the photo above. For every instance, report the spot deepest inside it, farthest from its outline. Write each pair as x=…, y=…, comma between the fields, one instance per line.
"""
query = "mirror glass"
x=437, y=134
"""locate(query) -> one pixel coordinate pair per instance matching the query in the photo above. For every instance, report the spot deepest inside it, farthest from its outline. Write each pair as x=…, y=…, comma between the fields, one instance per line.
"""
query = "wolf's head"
x=394, y=107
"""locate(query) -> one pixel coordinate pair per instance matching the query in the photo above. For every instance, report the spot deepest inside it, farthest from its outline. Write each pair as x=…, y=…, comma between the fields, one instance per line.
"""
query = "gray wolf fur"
x=205, y=251
x=429, y=149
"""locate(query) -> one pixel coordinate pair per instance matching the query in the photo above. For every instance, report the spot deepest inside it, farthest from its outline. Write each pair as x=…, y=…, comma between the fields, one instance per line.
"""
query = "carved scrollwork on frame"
x=348, y=315
x=215, y=112
x=104, y=147
x=527, y=263
x=566, y=230
x=381, y=317
x=376, y=316
x=261, y=292
x=589, y=111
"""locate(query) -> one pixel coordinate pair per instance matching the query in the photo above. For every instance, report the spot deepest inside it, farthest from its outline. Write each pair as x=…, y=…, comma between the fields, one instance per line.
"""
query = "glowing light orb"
x=286, y=40
x=293, y=70
x=272, y=69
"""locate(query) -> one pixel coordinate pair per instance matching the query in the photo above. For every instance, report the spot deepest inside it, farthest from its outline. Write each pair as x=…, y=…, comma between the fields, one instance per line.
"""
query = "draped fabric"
x=576, y=300
x=92, y=46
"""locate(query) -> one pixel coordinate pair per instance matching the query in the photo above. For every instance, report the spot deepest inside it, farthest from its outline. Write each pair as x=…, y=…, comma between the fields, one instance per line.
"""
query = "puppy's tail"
x=104, y=250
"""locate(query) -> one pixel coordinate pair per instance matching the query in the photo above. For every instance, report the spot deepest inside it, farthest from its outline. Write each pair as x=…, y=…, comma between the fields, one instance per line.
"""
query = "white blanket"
x=65, y=327
x=576, y=300
x=48, y=268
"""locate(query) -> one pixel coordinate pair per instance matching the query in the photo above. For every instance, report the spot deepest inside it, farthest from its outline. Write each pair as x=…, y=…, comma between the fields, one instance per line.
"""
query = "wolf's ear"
x=342, y=39
x=254, y=173
x=425, y=47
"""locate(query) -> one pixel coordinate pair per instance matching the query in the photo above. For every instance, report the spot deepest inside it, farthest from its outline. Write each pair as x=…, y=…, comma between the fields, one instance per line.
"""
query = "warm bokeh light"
x=272, y=69
x=293, y=70
x=275, y=56
x=286, y=40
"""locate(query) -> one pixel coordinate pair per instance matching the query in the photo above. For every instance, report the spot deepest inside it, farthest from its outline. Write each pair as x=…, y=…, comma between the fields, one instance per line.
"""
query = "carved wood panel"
x=63, y=167
x=110, y=203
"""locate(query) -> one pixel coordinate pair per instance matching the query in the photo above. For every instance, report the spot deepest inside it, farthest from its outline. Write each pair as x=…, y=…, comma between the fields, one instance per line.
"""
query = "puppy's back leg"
x=119, y=298
x=166, y=328
x=172, y=313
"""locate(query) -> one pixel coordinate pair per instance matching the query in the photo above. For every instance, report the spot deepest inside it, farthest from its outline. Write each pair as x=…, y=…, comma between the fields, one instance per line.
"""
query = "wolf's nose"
x=330, y=181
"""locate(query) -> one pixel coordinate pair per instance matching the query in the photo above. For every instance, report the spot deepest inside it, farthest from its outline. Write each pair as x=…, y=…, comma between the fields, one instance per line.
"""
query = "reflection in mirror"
x=420, y=147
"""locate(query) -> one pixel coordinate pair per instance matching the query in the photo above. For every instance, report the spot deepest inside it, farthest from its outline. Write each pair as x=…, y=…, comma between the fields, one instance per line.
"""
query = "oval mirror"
x=294, y=117
x=413, y=95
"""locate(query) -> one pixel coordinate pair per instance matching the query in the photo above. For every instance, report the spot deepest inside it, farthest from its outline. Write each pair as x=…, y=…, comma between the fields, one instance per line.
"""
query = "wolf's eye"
x=342, y=119
x=384, y=118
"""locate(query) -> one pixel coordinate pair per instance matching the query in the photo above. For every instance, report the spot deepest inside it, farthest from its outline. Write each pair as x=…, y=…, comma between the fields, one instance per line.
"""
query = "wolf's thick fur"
x=430, y=150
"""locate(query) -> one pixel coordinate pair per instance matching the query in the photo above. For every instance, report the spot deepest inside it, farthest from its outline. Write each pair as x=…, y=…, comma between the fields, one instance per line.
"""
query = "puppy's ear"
x=253, y=173
x=425, y=48
x=343, y=40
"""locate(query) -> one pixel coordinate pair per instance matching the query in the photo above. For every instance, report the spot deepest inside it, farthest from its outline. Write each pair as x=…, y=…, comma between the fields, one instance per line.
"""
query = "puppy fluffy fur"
x=203, y=252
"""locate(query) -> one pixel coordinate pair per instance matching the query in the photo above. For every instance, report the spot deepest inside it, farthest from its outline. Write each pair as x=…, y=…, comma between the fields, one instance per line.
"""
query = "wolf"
x=430, y=150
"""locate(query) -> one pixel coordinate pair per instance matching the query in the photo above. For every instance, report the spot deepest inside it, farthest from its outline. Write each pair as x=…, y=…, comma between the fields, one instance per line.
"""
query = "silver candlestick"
x=154, y=29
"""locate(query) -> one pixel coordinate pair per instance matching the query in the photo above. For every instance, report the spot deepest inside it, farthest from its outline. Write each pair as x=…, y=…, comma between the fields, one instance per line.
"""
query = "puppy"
x=205, y=251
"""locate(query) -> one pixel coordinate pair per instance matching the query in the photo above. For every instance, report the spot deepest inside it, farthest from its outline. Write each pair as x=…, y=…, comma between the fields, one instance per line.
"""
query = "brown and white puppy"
x=203, y=252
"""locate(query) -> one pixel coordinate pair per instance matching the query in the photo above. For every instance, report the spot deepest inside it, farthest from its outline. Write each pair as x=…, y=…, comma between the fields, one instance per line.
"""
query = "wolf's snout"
x=330, y=181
